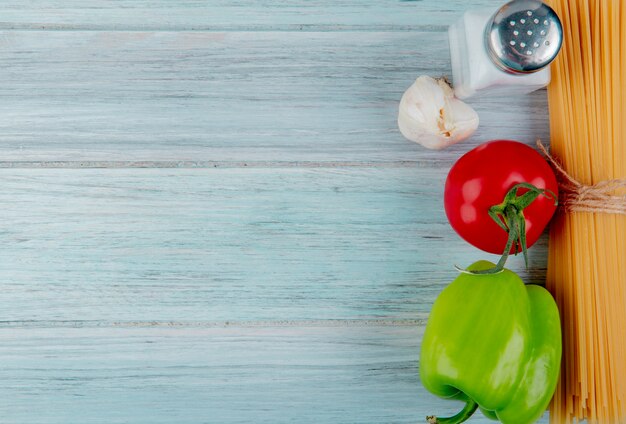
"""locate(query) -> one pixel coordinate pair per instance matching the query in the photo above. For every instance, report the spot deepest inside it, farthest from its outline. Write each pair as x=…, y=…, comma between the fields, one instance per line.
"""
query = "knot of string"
x=577, y=197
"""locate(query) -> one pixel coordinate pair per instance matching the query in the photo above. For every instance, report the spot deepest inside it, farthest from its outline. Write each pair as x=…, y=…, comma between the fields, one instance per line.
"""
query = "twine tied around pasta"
x=577, y=197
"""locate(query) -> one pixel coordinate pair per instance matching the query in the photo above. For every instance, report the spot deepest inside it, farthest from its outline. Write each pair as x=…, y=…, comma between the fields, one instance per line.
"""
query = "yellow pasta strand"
x=587, y=253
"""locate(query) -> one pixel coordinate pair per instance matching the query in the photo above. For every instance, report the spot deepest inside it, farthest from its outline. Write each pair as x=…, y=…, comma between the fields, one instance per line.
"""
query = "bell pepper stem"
x=463, y=415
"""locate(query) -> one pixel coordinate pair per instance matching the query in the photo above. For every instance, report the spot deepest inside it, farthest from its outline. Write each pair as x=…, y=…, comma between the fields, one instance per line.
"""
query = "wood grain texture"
x=227, y=244
x=298, y=15
x=209, y=215
x=153, y=375
x=245, y=96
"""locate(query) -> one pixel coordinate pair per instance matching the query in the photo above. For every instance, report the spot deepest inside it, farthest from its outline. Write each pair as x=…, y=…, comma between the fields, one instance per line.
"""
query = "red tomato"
x=482, y=177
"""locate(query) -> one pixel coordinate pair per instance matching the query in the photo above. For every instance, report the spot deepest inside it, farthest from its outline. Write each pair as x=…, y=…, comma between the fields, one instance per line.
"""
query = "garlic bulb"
x=431, y=116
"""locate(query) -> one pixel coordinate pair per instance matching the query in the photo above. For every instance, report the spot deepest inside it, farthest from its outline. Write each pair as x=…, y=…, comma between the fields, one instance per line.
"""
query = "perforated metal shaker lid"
x=523, y=36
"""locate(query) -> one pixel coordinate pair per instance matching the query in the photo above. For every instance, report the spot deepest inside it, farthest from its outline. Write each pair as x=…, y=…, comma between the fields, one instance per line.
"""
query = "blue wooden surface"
x=209, y=215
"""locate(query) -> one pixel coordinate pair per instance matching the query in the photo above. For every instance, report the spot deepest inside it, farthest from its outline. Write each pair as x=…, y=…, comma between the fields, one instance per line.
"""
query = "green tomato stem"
x=466, y=412
x=509, y=215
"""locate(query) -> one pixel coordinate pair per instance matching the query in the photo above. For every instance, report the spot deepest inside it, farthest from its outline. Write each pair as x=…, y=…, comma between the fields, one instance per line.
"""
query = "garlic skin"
x=430, y=115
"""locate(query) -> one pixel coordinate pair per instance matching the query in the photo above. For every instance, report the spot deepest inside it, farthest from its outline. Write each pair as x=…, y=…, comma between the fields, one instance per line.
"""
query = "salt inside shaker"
x=506, y=52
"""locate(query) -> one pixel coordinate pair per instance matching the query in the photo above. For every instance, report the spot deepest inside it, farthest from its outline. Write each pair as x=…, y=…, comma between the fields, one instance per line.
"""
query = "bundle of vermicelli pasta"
x=587, y=253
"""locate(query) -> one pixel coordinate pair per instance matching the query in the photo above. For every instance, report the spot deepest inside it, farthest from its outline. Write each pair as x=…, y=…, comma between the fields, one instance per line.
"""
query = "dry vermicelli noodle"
x=587, y=253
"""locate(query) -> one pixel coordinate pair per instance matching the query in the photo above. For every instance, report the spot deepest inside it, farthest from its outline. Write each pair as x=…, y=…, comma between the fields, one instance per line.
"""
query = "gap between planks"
x=219, y=164
x=321, y=323
x=6, y=26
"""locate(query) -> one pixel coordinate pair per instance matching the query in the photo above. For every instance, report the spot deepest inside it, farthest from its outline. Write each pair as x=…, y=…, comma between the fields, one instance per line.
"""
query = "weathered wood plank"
x=226, y=244
x=229, y=15
x=290, y=283
x=207, y=96
x=304, y=374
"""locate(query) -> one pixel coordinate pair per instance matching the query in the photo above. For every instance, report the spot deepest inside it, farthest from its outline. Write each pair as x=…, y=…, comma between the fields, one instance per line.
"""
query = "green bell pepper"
x=495, y=344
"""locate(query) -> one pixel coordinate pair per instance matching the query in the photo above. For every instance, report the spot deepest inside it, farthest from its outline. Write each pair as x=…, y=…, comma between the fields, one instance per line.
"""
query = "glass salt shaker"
x=506, y=52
